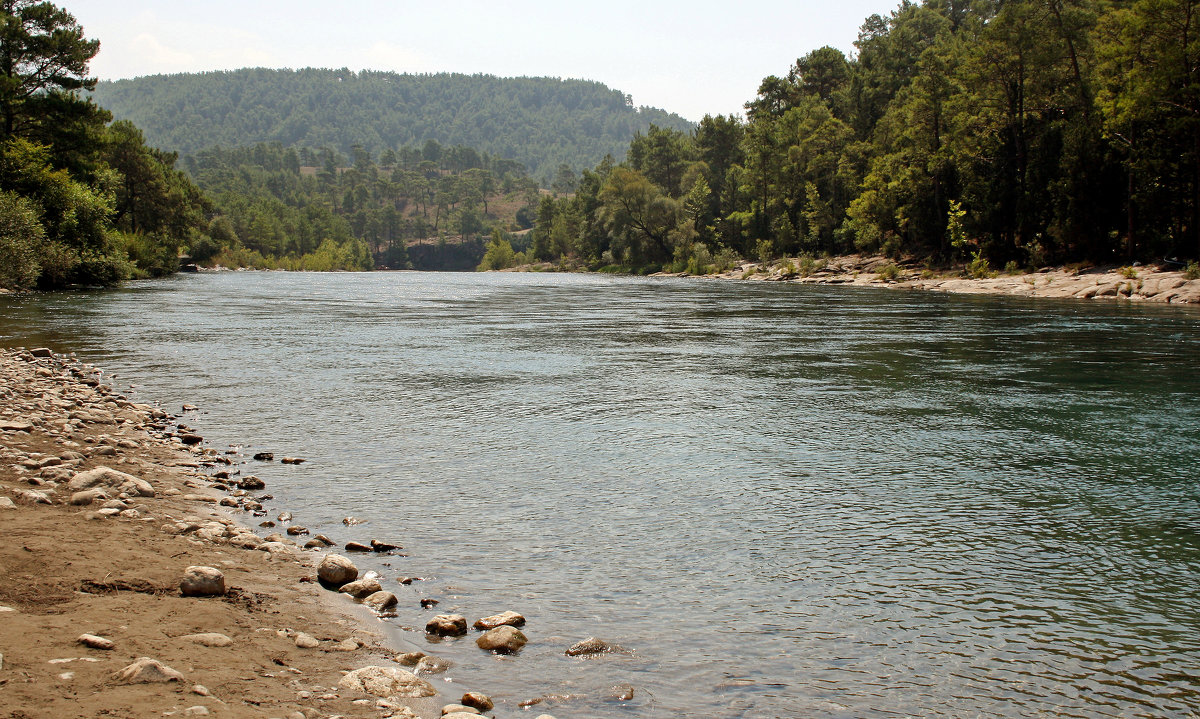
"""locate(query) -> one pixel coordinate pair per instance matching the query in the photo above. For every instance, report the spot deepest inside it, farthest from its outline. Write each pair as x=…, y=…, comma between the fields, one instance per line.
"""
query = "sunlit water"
x=784, y=501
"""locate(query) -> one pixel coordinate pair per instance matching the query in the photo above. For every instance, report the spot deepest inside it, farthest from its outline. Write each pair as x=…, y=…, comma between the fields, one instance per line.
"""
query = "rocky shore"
x=128, y=587
x=1152, y=283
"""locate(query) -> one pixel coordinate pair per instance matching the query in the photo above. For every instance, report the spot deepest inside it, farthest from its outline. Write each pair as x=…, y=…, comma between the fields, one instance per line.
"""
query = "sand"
x=67, y=570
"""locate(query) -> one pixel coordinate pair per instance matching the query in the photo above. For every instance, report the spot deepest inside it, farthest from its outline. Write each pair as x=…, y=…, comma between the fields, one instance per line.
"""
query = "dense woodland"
x=277, y=202
x=1015, y=133
x=82, y=200
x=996, y=134
x=540, y=122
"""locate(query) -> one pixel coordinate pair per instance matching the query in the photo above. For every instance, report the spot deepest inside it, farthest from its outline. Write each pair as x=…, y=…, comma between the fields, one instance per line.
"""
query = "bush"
x=979, y=268
x=1012, y=268
x=1192, y=271
x=1129, y=273
x=21, y=235
x=889, y=272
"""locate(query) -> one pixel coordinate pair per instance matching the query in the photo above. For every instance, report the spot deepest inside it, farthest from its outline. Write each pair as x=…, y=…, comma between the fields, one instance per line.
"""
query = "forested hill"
x=538, y=121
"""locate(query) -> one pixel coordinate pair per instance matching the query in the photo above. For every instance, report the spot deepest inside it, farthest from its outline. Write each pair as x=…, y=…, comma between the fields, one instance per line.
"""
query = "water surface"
x=782, y=500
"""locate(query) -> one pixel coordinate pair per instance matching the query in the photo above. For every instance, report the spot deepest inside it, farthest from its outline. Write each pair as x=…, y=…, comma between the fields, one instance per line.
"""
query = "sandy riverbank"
x=1151, y=283
x=112, y=567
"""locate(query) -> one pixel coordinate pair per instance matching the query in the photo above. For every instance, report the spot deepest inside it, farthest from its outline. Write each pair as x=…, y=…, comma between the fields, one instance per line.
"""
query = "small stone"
x=306, y=641
x=292, y=460
x=209, y=639
x=378, y=546
x=432, y=665
x=264, y=456
x=284, y=517
x=381, y=601
x=89, y=496
x=335, y=571
x=323, y=540
x=190, y=439
x=508, y=618
x=461, y=715
x=502, y=640
x=201, y=690
x=351, y=521
x=588, y=646
x=358, y=547
x=296, y=530
x=410, y=659
x=347, y=645
x=459, y=709
x=361, y=588
x=202, y=582
x=387, y=682
x=95, y=642
x=251, y=482
x=475, y=700
x=427, y=603
x=147, y=671
x=196, y=711
x=621, y=692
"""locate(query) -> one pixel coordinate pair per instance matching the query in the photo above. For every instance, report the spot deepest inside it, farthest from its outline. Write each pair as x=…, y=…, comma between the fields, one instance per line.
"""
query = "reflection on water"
x=785, y=501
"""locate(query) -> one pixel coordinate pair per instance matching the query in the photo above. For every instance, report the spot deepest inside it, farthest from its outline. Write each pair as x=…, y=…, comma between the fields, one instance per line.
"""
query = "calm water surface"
x=784, y=501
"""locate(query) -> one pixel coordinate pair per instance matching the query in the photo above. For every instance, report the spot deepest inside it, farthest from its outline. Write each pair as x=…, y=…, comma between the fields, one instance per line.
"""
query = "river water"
x=782, y=501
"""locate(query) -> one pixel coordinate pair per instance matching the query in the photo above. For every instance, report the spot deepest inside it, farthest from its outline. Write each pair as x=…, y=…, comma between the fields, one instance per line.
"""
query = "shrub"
x=1192, y=271
x=979, y=268
x=1129, y=273
x=21, y=235
x=1012, y=268
x=889, y=272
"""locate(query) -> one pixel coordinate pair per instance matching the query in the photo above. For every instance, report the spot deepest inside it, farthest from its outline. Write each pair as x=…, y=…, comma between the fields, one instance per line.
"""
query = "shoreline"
x=1142, y=283
x=108, y=561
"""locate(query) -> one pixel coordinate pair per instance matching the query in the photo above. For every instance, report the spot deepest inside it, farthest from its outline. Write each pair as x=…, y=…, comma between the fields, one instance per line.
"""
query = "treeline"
x=273, y=203
x=1026, y=132
x=82, y=201
x=540, y=122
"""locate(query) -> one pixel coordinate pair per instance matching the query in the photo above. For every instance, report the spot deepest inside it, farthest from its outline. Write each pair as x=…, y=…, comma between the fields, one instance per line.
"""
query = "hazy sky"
x=692, y=57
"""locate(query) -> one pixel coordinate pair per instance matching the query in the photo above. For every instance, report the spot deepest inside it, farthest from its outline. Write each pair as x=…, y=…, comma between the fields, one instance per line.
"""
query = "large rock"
x=387, y=682
x=6, y=503
x=447, y=625
x=147, y=671
x=381, y=601
x=334, y=571
x=362, y=588
x=107, y=477
x=509, y=618
x=202, y=582
x=502, y=640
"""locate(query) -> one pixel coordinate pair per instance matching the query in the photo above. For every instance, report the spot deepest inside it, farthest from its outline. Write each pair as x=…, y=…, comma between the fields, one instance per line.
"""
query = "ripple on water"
x=785, y=501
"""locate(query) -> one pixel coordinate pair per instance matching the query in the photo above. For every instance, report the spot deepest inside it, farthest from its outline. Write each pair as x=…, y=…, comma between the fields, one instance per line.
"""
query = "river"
x=781, y=500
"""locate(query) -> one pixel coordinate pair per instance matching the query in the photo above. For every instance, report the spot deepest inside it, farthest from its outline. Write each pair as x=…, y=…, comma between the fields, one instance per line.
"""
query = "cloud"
x=388, y=56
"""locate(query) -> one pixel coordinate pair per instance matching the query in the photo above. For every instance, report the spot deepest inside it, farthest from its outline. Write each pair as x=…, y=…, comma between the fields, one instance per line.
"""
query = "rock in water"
x=509, y=618
x=502, y=640
x=335, y=571
x=264, y=456
x=202, y=582
x=358, y=547
x=147, y=671
x=95, y=642
x=387, y=682
x=362, y=588
x=381, y=601
x=447, y=625
x=475, y=700
x=588, y=646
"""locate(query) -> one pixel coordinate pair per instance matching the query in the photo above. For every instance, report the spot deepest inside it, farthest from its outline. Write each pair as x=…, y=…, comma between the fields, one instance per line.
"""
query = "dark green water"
x=785, y=501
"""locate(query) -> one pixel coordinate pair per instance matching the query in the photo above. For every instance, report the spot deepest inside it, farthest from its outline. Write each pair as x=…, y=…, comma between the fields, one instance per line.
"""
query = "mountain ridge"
x=541, y=122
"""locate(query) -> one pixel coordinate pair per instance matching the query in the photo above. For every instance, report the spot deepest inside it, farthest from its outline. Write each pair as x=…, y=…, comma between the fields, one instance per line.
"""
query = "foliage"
x=541, y=123
x=21, y=239
x=1192, y=270
x=84, y=202
x=889, y=272
x=499, y=254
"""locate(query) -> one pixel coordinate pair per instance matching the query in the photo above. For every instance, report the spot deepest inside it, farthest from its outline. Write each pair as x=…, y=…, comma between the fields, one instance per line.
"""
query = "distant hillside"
x=540, y=122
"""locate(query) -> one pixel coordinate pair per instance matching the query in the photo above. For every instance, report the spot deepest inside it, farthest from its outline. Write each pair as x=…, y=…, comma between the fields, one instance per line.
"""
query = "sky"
x=692, y=58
